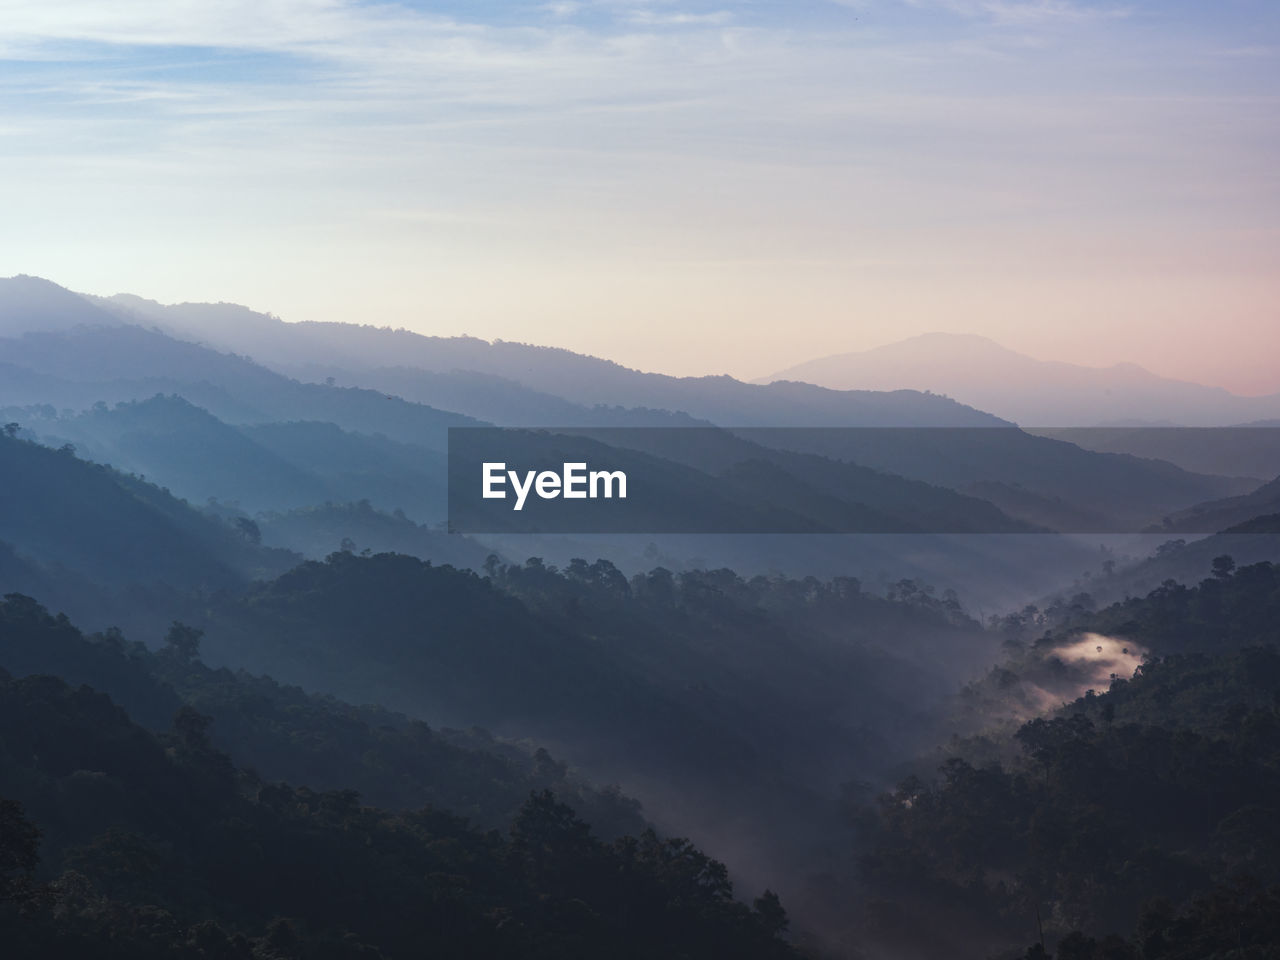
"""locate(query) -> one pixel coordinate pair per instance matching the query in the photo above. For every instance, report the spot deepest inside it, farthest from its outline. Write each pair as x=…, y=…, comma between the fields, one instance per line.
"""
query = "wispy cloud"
x=564, y=8
x=666, y=18
x=1027, y=13
x=590, y=145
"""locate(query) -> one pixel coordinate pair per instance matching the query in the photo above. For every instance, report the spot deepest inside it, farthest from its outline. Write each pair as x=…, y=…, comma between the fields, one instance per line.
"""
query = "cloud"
x=387, y=142
x=1026, y=13
x=564, y=8
x=652, y=18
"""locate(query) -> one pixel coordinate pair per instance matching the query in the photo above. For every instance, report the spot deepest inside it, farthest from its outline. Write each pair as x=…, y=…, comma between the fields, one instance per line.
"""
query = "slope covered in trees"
x=1138, y=822
x=114, y=528
x=284, y=733
x=115, y=842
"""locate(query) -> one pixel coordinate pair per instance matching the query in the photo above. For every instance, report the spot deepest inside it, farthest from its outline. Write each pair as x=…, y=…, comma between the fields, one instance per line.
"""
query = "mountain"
x=1053, y=485
x=1190, y=560
x=1217, y=516
x=1035, y=393
x=268, y=466
x=316, y=532
x=187, y=449
x=697, y=693
x=120, y=842
x=1133, y=822
x=1245, y=450
x=284, y=733
x=708, y=480
x=393, y=475
x=130, y=363
x=359, y=352
x=492, y=398
x=31, y=303
x=1038, y=479
x=69, y=524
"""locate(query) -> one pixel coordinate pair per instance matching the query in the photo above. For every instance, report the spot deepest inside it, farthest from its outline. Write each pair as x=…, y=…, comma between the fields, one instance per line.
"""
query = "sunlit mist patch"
x=1041, y=678
x=1089, y=663
x=1107, y=657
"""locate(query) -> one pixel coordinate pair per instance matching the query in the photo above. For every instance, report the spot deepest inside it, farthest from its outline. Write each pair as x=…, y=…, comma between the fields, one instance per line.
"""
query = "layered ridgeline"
x=260, y=467
x=730, y=708
x=109, y=545
x=260, y=444
x=1227, y=513
x=118, y=840
x=1137, y=821
x=83, y=359
x=1035, y=393
x=1161, y=785
x=539, y=381
x=135, y=355
x=314, y=488
x=738, y=709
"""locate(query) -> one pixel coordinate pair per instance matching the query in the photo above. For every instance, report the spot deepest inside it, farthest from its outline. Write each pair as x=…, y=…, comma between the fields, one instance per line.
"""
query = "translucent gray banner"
x=863, y=480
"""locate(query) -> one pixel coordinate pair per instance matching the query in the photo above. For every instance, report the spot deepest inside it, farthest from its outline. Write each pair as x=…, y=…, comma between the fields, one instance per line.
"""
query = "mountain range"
x=258, y=505
x=978, y=371
x=223, y=404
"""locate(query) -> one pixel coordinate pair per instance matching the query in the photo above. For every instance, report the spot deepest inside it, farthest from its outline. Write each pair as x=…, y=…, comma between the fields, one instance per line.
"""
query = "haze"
x=686, y=186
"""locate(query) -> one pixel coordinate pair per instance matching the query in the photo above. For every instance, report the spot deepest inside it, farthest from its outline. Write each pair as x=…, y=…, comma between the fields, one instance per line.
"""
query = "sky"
x=687, y=186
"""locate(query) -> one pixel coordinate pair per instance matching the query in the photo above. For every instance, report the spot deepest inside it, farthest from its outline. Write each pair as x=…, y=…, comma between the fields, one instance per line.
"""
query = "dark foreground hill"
x=115, y=842
x=283, y=733
x=731, y=709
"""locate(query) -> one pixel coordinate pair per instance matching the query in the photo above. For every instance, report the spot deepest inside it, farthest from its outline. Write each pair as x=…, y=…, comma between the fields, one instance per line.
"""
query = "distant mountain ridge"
x=129, y=363
x=1033, y=393
x=236, y=364
x=368, y=354
x=32, y=303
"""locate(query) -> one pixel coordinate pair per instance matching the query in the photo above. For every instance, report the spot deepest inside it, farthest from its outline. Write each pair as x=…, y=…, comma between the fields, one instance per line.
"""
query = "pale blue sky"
x=687, y=186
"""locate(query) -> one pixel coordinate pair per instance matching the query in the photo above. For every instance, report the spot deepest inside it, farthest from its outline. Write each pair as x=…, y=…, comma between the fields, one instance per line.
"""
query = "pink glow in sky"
x=680, y=186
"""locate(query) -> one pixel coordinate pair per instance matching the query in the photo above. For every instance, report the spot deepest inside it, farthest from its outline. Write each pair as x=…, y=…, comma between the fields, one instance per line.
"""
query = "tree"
x=249, y=530
x=183, y=641
x=771, y=914
x=1223, y=566
x=19, y=844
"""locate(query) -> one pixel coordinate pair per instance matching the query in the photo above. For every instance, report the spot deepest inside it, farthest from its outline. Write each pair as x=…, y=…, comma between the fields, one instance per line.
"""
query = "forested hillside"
x=116, y=529
x=284, y=733
x=257, y=702
x=1137, y=821
x=115, y=842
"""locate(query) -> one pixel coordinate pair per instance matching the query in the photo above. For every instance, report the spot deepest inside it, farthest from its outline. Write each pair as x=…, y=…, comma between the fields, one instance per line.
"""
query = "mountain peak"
x=32, y=304
x=985, y=374
x=945, y=342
